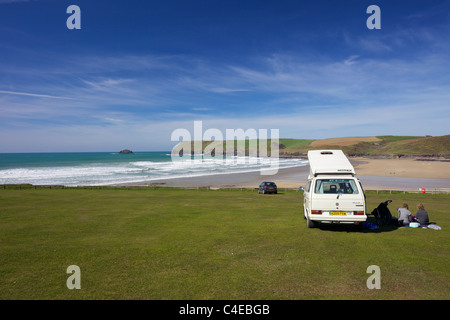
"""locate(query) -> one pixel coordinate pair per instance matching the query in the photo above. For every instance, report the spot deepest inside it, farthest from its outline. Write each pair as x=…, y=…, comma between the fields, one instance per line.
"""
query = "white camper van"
x=332, y=193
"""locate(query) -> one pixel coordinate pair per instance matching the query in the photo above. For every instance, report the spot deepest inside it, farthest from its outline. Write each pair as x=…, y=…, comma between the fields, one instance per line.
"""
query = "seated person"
x=345, y=188
x=422, y=215
x=404, y=215
x=333, y=189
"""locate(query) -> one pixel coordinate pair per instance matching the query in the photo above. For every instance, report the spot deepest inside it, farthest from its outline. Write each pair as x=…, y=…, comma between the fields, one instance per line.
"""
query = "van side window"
x=362, y=189
x=308, y=186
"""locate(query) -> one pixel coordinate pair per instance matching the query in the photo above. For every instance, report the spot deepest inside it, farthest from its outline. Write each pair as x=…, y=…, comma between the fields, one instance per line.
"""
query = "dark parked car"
x=268, y=187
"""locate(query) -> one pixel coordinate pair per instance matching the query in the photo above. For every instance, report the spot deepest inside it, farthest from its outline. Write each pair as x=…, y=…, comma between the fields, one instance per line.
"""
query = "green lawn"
x=204, y=244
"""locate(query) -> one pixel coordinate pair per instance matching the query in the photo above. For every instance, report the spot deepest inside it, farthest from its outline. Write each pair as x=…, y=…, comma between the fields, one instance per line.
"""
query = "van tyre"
x=310, y=223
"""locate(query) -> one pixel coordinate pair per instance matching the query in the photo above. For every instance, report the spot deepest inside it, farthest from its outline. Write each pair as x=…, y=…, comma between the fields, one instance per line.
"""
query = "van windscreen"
x=345, y=186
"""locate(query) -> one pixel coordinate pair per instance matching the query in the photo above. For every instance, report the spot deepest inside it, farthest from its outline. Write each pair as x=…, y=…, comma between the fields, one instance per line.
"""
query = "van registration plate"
x=338, y=213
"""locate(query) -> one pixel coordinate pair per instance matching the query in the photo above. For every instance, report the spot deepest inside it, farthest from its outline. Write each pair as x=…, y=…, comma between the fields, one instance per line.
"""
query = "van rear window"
x=345, y=186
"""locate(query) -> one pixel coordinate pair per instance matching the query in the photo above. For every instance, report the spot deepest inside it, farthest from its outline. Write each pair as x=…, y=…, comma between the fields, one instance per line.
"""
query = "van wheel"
x=310, y=223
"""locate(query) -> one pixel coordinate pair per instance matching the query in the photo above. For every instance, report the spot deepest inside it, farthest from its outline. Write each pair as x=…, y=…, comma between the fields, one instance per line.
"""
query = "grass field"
x=204, y=244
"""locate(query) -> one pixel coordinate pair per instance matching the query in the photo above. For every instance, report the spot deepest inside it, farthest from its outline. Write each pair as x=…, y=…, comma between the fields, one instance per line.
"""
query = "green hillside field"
x=389, y=145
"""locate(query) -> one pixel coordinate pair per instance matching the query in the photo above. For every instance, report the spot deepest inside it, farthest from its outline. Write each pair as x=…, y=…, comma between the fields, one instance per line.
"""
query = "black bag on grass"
x=382, y=214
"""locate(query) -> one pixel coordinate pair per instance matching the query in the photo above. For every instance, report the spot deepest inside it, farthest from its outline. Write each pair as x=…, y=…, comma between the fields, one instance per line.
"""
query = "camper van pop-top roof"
x=329, y=162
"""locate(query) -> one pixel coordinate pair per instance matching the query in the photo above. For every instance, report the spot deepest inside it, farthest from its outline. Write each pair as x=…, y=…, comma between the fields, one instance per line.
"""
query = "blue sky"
x=138, y=70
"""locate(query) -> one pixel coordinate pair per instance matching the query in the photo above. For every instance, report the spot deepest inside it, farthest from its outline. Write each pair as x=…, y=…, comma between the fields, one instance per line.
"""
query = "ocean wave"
x=137, y=171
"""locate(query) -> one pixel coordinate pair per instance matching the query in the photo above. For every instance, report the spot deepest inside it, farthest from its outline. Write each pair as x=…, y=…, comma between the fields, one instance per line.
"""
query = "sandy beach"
x=402, y=174
x=410, y=168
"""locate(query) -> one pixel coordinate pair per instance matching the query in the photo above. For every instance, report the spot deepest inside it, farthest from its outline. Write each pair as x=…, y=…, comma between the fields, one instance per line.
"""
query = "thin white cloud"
x=202, y=109
x=12, y=1
x=351, y=60
x=108, y=84
x=356, y=78
x=227, y=90
x=37, y=95
x=374, y=45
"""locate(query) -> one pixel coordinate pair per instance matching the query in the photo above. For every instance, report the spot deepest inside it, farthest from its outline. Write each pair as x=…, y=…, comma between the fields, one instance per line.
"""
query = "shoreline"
x=405, y=173
x=402, y=174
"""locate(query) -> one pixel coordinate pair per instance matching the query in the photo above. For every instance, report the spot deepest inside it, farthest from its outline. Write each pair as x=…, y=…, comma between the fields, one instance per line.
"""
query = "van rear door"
x=338, y=196
x=338, y=205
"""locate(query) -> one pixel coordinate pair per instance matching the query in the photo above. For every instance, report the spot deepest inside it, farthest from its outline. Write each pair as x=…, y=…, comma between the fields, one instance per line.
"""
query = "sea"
x=107, y=168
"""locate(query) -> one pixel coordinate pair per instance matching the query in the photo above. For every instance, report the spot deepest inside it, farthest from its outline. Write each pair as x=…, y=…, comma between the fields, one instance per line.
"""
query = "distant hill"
x=380, y=146
x=375, y=146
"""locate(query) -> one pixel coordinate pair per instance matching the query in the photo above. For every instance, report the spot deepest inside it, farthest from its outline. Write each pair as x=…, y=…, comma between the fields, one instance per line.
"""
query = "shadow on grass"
x=358, y=228
x=272, y=194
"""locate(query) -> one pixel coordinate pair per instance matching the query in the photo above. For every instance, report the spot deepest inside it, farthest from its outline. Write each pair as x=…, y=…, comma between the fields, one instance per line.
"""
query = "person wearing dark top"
x=422, y=215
